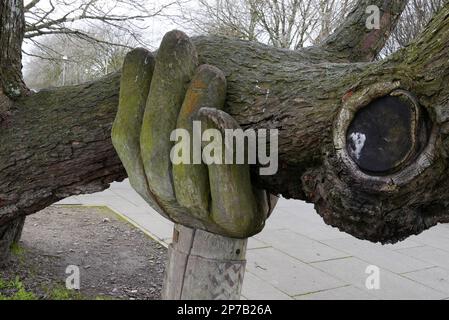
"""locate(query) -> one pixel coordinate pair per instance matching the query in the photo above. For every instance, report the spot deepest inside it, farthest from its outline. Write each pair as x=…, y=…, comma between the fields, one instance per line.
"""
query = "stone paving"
x=298, y=256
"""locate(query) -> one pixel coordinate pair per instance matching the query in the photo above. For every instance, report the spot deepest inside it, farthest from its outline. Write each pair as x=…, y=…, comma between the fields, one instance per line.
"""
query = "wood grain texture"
x=204, y=266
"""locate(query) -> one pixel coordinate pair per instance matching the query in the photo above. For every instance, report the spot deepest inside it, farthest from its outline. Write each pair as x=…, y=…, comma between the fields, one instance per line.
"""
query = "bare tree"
x=234, y=19
x=413, y=20
x=286, y=23
x=331, y=14
x=76, y=61
x=77, y=18
x=281, y=23
x=298, y=23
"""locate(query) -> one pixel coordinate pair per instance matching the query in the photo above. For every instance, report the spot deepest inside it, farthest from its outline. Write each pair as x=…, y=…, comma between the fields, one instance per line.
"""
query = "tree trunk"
x=12, y=26
x=57, y=143
x=10, y=234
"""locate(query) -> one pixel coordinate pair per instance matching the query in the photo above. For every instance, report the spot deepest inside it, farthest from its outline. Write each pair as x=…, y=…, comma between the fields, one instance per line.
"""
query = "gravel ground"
x=116, y=260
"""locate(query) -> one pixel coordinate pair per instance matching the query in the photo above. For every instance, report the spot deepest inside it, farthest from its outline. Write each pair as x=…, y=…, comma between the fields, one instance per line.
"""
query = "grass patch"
x=14, y=290
x=62, y=293
x=17, y=250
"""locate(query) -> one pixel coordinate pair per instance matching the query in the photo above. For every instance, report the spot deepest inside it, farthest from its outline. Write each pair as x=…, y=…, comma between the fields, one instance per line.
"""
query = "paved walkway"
x=297, y=256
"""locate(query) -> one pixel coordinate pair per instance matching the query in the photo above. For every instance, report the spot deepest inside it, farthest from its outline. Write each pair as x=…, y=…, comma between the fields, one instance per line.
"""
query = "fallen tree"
x=56, y=143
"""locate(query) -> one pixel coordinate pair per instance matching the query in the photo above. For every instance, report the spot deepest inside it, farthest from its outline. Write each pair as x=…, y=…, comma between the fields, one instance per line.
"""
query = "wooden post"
x=204, y=266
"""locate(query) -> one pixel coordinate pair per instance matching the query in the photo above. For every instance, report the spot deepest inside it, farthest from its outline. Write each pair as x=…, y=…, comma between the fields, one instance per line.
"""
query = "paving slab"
x=287, y=274
x=378, y=255
x=258, y=289
x=433, y=238
x=315, y=229
x=253, y=243
x=298, y=246
x=343, y=293
x=431, y=255
x=436, y=278
x=392, y=286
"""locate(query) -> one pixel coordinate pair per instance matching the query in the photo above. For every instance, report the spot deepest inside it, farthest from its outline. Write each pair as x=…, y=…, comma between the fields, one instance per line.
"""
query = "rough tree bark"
x=12, y=22
x=56, y=143
x=9, y=234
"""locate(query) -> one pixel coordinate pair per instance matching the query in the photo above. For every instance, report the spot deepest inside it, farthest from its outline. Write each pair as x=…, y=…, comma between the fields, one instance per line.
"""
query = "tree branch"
x=31, y=5
x=354, y=42
x=82, y=35
x=58, y=142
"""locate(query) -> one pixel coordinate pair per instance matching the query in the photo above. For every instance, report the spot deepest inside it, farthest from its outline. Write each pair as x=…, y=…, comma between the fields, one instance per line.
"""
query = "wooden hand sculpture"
x=159, y=95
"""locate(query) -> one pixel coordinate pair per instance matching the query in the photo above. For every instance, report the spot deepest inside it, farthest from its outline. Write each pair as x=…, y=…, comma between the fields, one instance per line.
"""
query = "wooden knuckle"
x=217, y=119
